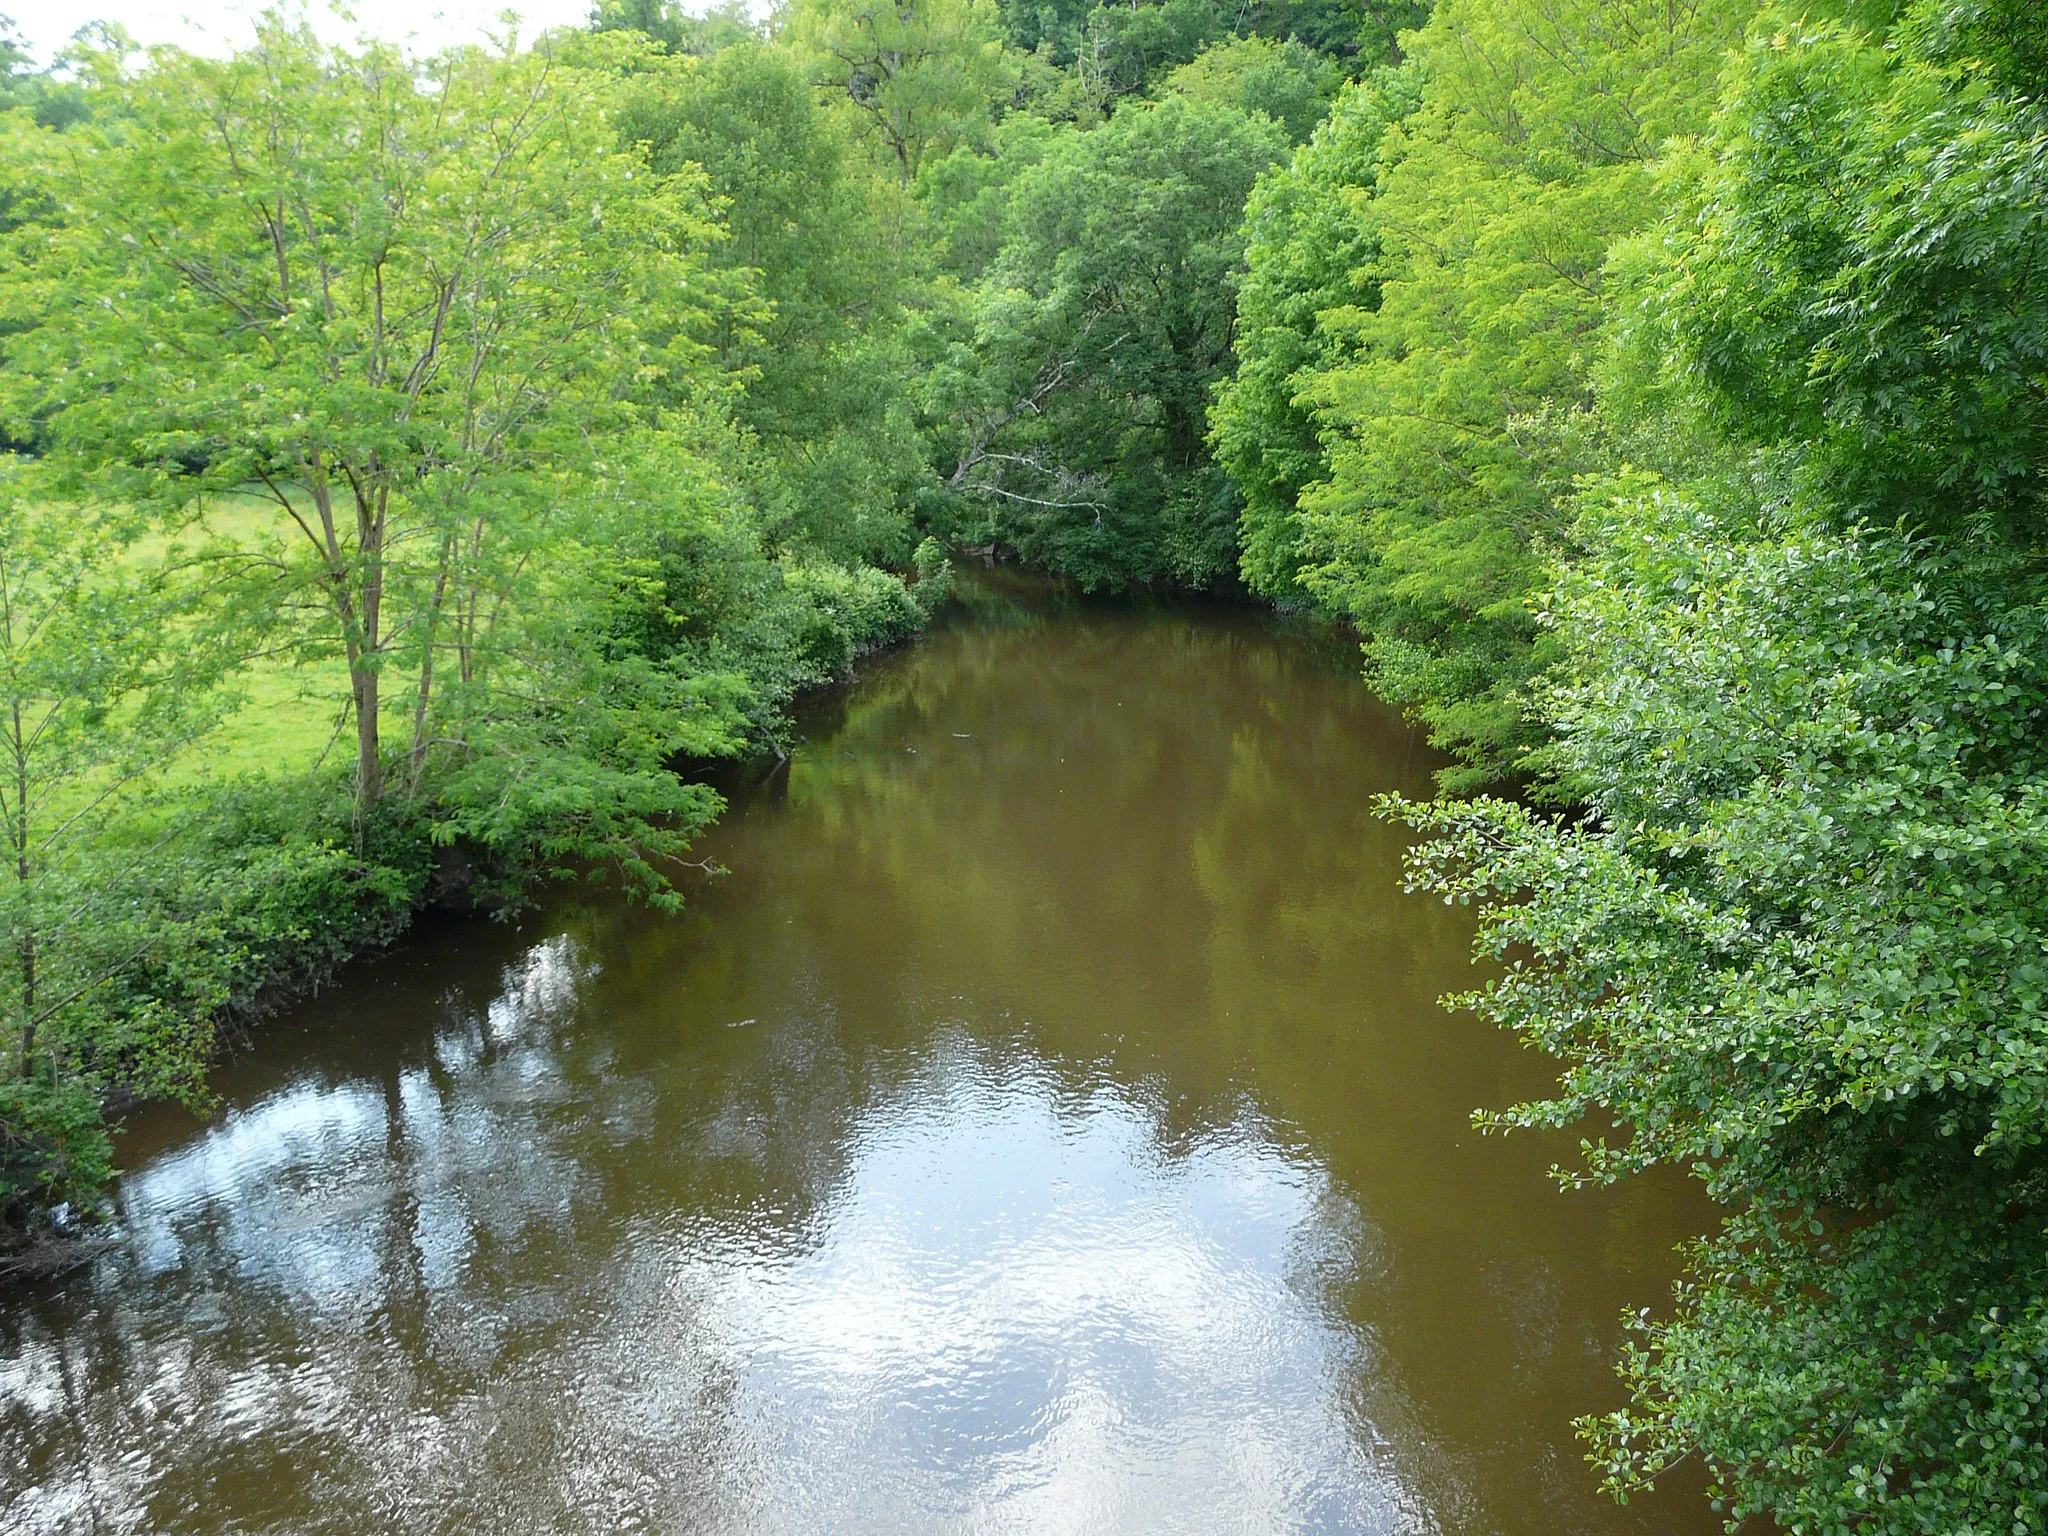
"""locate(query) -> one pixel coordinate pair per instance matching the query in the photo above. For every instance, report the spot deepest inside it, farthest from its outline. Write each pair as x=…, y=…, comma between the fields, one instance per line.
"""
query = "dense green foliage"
x=1797, y=938
x=814, y=336
x=1312, y=259
x=1800, y=947
x=1098, y=330
x=433, y=392
x=1421, y=325
x=518, y=421
x=1661, y=390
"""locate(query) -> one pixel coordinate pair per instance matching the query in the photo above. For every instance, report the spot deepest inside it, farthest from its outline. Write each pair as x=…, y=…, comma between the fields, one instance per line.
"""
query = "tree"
x=1289, y=82
x=1857, y=266
x=703, y=34
x=101, y=682
x=1795, y=936
x=431, y=377
x=51, y=101
x=403, y=305
x=919, y=76
x=1453, y=412
x=1099, y=54
x=1311, y=258
x=1797, y=942
x=1102, y=325
x=818, y=242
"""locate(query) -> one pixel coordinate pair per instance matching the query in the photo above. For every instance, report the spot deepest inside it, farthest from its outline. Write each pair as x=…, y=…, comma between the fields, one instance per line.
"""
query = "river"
x=1046, y=1125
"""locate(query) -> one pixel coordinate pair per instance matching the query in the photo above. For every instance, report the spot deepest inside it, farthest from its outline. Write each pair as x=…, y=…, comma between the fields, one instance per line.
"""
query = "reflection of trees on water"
x=1051, y=1104
x=378, y=1302
x=1213, y=807
x=310, y=1280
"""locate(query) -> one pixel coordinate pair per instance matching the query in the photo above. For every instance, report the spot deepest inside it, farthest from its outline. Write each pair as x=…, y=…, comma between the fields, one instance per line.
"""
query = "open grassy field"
x=283, y=715
x=286, y=715
x=285, y=722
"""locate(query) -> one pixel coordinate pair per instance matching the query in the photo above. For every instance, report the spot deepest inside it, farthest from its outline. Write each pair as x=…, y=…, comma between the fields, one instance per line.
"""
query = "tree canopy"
x=429, y=392
x=1793, y=936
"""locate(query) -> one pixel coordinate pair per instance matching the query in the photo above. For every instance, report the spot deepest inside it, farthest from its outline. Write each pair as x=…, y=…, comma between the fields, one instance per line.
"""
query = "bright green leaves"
x=1288, y=82
x=105, y=674
x=1798, y=941
x=1311, y=250
x=1796, y=936
x=1858, y=268
x=402, y=304
x=1821, y=803
x=1889, y=1380
x=1447, y=364
x=917, y=78
x=829, y=452
x=290, y=252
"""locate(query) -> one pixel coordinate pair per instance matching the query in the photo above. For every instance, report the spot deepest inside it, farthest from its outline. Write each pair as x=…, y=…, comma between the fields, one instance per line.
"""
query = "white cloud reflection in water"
x=1014, y=1305
x=1019, y=1312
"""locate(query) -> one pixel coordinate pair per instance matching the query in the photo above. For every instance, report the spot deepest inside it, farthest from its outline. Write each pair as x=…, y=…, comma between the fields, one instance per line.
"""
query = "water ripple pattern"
x=1048, y=1126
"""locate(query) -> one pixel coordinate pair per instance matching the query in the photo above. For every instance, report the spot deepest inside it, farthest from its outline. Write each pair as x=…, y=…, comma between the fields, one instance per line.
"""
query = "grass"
x=284, y=724
x=283, y=714
x=285, y=718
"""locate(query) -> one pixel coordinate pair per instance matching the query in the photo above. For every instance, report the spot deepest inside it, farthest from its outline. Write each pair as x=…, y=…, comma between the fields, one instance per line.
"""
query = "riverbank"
x=203, y=903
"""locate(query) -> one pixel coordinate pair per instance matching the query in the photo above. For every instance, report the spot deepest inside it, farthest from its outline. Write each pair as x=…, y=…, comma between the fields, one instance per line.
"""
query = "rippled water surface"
x=1046, y=1126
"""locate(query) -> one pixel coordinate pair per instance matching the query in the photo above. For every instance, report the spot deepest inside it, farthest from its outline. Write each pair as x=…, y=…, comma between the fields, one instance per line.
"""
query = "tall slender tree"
x=399, y=304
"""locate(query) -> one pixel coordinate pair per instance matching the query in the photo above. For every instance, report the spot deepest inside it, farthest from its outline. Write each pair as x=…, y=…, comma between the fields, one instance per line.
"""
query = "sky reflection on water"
x=1048, y=1126
x=1018, y=1307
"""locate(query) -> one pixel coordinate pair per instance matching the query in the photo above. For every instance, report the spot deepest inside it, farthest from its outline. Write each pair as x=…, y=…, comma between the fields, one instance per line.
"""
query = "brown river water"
x=1047, y=1125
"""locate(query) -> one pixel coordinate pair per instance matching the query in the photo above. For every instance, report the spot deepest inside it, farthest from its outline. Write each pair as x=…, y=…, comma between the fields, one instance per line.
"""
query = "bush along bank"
x=1662, y=389
x=133, y=945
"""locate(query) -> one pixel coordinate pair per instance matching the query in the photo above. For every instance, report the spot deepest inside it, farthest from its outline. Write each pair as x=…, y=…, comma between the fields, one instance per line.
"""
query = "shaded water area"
x=1046, y=1126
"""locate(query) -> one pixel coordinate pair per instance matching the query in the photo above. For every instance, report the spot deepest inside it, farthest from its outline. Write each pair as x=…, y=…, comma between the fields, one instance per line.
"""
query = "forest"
x=414, y=465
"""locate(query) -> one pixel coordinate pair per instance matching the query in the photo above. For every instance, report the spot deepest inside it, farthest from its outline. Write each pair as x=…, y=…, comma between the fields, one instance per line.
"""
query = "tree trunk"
x=425, y=696
x=27, y=941
x=369, y=750
x=357, y=613
x=371, y=510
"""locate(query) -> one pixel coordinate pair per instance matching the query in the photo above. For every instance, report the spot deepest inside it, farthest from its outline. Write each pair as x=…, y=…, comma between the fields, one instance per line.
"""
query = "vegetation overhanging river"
x=1047, y=1125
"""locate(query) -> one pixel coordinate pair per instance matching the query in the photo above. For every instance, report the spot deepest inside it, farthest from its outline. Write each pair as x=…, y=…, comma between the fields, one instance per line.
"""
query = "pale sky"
x=218, y=26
